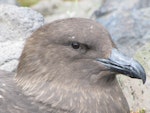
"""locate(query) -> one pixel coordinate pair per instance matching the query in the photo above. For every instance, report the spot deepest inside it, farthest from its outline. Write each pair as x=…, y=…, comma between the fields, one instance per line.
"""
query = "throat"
x=104, y=81
x=76, y=99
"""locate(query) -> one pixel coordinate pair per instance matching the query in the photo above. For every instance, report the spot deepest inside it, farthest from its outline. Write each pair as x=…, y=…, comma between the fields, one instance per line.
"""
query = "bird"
x=68, y=66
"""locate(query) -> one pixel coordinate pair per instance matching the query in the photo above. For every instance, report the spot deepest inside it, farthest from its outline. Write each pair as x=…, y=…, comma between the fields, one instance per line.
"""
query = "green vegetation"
x=71, y=0
x=27, y=3
x=140, y=111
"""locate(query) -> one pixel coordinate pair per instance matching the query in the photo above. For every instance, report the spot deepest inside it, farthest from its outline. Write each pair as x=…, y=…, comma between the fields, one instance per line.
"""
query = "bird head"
x=74, y=50
x=71, y=64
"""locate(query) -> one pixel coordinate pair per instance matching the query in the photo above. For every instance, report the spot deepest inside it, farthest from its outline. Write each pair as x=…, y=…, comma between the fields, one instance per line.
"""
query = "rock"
x=136, y=93
x=127, y=22
x=58, y=9
x=13, y=2
x=16, y=24
x=47, y=7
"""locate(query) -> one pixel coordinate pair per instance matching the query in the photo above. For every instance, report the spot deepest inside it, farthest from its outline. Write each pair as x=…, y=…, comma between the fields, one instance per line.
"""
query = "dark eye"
x=75, y=45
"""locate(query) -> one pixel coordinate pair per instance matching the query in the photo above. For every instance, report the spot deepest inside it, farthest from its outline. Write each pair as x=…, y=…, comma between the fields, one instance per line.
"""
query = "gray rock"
x=16, y=24
x=58, y=9
x=13, y=2
x=127, y=21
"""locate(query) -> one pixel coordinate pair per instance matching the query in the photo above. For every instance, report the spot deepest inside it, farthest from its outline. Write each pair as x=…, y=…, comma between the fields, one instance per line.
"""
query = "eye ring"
x=75, y=45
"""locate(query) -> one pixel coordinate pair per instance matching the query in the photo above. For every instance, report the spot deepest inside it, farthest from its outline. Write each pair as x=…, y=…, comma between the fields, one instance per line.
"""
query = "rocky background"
x=128, y=22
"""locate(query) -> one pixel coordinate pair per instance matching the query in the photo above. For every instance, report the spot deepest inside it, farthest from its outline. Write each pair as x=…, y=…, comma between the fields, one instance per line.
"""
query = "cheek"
x=87, y=66
x=59, y=57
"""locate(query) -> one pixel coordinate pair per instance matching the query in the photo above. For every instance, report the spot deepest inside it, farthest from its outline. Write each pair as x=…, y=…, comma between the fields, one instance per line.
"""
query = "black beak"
x=122, y=64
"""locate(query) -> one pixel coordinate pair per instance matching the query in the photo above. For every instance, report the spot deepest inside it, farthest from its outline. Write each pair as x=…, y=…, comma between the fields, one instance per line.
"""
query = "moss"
x=140, y=111
x=71, y=0
x=27, y=3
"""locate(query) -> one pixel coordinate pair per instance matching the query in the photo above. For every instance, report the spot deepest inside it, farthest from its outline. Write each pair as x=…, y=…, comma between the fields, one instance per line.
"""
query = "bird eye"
x=75, y=45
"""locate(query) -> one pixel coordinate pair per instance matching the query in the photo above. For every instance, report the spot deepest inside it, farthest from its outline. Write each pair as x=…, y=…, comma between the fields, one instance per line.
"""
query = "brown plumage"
x=68, y=66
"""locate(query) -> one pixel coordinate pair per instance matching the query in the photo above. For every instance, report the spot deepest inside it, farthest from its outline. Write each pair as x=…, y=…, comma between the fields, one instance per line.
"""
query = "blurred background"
x=128, y=22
